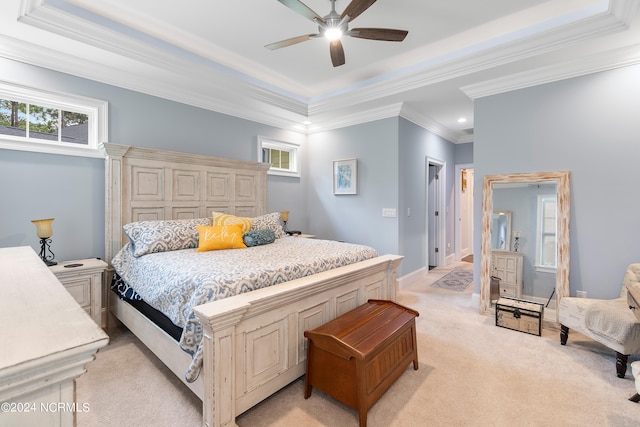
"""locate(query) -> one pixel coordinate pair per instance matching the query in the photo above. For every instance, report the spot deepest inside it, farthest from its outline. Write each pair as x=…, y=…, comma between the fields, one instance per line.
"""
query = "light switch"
x=389, y=212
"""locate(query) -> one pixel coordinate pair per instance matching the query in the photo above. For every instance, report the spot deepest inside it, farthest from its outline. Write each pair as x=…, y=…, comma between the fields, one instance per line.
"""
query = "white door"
x=435, y=213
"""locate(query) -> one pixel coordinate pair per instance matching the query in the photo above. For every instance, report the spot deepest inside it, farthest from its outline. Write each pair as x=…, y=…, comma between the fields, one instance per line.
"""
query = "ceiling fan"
x=334, y=26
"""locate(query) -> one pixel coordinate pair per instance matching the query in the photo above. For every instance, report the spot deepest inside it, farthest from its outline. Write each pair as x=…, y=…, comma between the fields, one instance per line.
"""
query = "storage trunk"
x=357, y=357
x=519, y=315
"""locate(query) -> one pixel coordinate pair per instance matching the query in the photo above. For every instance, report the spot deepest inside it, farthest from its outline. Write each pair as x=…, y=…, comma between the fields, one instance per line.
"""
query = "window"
x=48, y=122
x=283, y=156
x=546, y=245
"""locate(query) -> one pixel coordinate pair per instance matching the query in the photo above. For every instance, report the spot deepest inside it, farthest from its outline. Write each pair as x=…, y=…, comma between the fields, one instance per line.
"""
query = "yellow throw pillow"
x=220, y=218
x=216, y=237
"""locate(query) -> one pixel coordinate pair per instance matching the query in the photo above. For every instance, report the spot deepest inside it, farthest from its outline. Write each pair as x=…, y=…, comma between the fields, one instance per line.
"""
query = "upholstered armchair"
x=613, y=323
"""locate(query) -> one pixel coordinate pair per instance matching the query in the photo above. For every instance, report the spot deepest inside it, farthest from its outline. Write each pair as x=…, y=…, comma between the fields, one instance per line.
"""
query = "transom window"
x=547, y=242
x=42, y=121
x=282, y=156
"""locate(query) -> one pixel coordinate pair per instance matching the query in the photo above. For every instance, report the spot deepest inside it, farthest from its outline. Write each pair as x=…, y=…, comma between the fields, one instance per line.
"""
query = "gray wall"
x=392, y=157
x=355, y=218
x=391, y=166
x=416, y=144
x=587, y=125
x=464, y=153
x=71, y=189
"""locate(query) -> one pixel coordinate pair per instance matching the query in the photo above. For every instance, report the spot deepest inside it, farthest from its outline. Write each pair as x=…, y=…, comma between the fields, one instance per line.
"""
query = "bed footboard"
x=254, y=343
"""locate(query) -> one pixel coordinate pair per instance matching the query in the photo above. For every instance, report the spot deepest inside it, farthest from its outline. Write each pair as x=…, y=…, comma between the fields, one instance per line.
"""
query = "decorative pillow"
x=259, y=237
x=220, y=218
x=220, y=237
x=161, y=236
x=269, y=221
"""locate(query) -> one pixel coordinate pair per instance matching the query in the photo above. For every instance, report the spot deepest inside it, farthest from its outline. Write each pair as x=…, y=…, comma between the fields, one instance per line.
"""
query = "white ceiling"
x=210, y=53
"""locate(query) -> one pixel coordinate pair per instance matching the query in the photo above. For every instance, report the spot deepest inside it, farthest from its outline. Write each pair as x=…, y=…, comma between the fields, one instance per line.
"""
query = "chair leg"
x=635, y=398
x=564, y=334
x=621, y=364
x=621, y=359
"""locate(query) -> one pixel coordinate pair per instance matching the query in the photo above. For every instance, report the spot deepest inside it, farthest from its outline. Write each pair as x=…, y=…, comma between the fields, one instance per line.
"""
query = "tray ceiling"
x=211, y=54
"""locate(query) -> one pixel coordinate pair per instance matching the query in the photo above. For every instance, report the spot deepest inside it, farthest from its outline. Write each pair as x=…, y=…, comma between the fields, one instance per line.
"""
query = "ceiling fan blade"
x=356, y=7
x=337, y=53
x=301, y=8
x=385, y=34
x=291, y=41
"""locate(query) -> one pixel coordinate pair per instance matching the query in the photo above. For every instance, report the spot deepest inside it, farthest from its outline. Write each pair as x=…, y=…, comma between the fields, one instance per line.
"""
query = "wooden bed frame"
x=254, y=342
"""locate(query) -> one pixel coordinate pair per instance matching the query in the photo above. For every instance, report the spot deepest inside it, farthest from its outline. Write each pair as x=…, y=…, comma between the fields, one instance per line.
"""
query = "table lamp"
x=44, y=231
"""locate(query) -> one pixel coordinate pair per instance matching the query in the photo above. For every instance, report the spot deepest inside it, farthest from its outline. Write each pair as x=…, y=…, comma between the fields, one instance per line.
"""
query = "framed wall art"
x=345, y=176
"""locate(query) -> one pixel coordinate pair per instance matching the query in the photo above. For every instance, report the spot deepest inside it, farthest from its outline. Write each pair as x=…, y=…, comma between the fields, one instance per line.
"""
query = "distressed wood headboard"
x=148, y=184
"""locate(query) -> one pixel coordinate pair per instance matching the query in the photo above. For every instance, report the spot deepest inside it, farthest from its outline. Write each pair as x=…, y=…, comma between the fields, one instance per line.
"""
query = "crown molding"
x=51, y=19
x=428, y=123
x=436, y=70
x=622, y=57
x=232, y=102
x=464, y=139
x=218, y=88
x=344, y=118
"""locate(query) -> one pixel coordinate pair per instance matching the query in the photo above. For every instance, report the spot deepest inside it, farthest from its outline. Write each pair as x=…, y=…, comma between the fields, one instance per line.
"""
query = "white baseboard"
x=450, y=259
x=410, y=278
x=475, y=300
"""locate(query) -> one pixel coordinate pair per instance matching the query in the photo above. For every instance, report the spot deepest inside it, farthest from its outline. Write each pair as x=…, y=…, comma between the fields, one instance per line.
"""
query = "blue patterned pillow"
x=148, y=237
x=258, y=237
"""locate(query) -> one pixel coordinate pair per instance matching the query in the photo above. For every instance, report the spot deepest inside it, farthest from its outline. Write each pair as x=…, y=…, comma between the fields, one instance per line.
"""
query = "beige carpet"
x=472, y=373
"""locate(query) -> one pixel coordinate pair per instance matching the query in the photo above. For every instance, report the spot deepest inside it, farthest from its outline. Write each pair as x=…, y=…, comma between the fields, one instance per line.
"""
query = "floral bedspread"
x=175, y=282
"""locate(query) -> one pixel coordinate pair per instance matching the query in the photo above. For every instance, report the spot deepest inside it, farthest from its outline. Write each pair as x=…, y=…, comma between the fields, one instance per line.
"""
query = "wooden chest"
x=356, y=357
x=523, y=316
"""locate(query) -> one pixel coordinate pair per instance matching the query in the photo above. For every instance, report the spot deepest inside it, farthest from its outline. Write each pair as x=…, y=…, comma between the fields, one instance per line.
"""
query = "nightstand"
x=83, y=280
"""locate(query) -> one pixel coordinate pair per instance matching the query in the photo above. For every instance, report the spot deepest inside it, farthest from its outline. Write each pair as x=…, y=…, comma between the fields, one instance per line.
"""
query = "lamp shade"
x=285, y=215
x=43, y=227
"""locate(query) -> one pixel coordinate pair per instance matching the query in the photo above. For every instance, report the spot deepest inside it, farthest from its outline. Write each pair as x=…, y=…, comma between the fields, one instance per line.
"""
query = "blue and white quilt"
x=174, y=282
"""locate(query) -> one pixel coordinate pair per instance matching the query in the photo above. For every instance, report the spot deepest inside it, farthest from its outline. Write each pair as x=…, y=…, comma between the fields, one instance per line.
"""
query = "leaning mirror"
x=559, y=182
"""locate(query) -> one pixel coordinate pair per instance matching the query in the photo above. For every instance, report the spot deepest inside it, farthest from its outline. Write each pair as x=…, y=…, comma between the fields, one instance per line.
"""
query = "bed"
x=253, y=342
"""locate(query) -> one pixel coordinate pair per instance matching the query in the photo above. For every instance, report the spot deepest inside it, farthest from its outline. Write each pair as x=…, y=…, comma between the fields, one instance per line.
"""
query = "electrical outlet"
x=581, y=294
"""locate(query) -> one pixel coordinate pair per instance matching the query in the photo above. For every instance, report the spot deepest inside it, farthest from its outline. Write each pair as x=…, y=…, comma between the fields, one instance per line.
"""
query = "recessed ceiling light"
x=306, y=123
x=462, y=120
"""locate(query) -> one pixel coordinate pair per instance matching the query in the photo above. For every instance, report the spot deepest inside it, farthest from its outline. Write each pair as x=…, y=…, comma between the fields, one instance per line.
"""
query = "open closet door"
x=435, y=214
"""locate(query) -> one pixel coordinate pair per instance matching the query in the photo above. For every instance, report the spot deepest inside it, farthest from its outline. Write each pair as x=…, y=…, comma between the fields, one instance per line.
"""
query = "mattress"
x=155, y=316
x=174, y=282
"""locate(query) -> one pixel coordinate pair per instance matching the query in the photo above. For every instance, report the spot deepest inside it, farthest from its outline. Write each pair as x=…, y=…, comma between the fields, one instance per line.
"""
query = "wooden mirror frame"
x=561, y=179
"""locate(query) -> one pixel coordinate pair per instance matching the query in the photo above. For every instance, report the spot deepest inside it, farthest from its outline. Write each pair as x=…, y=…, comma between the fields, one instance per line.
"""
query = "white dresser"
x=46, y=341
x=507, y=266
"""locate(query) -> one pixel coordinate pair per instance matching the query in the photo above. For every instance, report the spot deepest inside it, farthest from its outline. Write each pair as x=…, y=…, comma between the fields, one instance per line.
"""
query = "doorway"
x=435, y=213
x=464, y=212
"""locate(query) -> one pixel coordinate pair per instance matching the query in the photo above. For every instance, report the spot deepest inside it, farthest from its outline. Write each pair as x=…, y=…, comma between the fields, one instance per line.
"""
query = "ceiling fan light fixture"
x=333, y=33
x=334, y=25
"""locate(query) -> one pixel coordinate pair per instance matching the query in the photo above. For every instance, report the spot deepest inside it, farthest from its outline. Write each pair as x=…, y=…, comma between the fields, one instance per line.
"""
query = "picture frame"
x=345, y=176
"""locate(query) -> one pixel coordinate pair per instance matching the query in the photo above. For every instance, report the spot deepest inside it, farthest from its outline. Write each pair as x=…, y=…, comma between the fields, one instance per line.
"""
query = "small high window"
x=36, y=120
x=282, y=156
